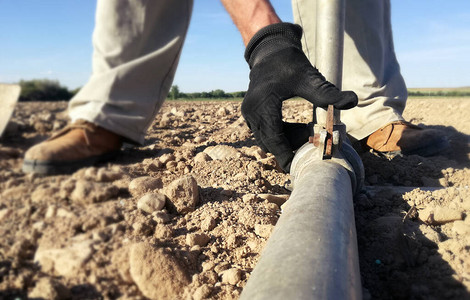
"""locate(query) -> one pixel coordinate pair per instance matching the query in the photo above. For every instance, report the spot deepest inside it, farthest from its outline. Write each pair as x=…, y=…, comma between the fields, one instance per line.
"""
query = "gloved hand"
x=279, y=71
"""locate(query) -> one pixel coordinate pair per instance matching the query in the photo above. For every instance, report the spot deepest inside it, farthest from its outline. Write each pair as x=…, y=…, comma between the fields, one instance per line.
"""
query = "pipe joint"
x=343, y=154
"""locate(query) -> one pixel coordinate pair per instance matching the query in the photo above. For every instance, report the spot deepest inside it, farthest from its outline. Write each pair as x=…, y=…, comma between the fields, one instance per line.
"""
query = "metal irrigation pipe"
x=312, y=252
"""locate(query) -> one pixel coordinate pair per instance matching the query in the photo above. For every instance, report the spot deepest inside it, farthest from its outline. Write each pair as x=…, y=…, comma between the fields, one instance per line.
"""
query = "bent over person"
x=137, y=45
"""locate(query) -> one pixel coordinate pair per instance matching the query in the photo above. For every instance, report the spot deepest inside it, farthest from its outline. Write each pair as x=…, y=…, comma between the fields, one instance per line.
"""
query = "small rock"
x=145, y=184
x=142, y=228
x=65, y=261
x=231, y=276
x=163, y=232
x=202, y=157
x=460, y=228
x=89, y=173
x=249, y=198
x=200, y=139
x=51, y=212
x=5, y=213
x=160, y=217
x=87, y=192
x=208, y=224
x=221, y=112
x=157, y=274
x=439, y=215
x=104, y=175
x=63, y=213
x=220, y=268
x=151, y=202
x=263, y=230
x=47, y=288
x=183, y=194
x=171, y=165
x=167, y=157
x=200, y=239
x=222, y=152
x=276, y=199
x=202, y=292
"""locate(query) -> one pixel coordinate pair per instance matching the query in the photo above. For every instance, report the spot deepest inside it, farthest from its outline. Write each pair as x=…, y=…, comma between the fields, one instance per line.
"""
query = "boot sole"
x=53, y=167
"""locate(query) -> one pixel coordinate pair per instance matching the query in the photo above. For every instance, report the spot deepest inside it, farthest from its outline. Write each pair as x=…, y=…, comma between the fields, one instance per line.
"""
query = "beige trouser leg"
x=137, y=45
x=370, y=67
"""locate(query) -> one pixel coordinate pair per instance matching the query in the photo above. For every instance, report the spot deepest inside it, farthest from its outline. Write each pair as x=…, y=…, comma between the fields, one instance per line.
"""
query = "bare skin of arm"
x=250, y=16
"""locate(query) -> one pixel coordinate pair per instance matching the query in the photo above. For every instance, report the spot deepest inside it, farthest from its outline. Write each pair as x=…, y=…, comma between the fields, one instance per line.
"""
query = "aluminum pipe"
x=312, y=252
x=329, y=44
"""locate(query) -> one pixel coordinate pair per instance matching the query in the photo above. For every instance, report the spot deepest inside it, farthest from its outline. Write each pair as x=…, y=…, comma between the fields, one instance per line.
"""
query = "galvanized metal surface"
x=312, y=252
x=330, y=43
x=9, y=94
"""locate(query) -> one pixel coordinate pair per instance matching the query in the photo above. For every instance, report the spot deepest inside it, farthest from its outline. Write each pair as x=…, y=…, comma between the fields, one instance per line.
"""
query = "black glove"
x=279, y=71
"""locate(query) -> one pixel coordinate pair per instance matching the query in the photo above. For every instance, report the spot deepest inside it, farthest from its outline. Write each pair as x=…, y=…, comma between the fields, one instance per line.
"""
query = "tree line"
x=52, y=90
x=215, y=94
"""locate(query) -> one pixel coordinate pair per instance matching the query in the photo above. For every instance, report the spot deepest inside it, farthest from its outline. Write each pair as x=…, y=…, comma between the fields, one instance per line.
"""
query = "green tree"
x=174, y=92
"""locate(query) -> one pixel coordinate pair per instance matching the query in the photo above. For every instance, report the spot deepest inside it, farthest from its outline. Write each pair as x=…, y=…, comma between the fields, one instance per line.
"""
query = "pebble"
x=157, y=274
x=145, y=184
x=104, y=175
x=249, y=198
x=221, y=112
x=160, y=217
x=67, y=261
x=199, y=239
x=151, y=202
x=51, y=212
x=87, y=192
x=208, y=224
x=167, y=157
x=231, y=276
x=222, y=152
x=276, y=199
x=183, y=194
x=460, y=228
x=200, y=139
x=202, y=157
x=48, y=288
x=263, y=230
x=439, y=215
x=202, y=292
x=5, y=213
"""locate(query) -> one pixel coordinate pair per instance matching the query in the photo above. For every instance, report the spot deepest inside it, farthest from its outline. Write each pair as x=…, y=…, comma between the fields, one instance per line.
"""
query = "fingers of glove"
x=314, y=88
x=296, y=133
x=348, y=100
x=259, y=141
x=278, y=144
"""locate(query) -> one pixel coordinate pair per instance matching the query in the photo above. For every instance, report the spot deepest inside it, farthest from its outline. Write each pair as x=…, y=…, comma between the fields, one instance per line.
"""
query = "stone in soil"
x=183, y=194
x=157, y=274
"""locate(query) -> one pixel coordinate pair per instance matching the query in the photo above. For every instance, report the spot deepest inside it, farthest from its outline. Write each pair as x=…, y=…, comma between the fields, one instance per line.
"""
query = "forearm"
x=250, y=15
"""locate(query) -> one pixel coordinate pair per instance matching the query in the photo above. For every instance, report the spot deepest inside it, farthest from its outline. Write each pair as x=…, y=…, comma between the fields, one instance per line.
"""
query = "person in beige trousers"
x=137, y=45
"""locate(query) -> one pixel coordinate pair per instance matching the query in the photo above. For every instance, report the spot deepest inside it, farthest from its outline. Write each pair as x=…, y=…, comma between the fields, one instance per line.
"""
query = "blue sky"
x=52, y=39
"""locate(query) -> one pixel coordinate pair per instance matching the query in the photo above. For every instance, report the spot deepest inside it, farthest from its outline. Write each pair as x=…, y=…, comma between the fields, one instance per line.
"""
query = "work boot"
x=78, y=145
x=402, y=137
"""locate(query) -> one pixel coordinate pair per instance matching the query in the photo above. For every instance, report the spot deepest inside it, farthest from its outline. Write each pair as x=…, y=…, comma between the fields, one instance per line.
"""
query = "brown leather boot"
x=402, y=137
x=78, y=145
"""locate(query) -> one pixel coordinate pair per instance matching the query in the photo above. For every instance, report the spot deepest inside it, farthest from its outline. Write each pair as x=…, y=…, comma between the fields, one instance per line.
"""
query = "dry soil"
x=186, y=215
